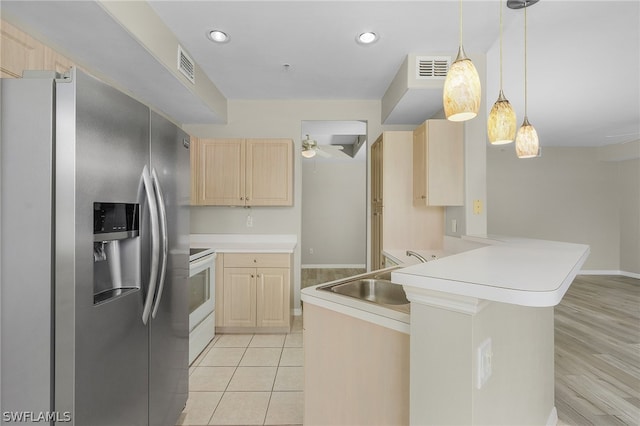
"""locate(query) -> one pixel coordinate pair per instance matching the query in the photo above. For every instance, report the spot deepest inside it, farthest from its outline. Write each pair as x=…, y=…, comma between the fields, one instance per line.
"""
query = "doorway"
x=334, y=200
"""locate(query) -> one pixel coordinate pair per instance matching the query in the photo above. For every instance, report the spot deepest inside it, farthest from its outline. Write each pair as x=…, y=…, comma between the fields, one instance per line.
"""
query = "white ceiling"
x=583, y=56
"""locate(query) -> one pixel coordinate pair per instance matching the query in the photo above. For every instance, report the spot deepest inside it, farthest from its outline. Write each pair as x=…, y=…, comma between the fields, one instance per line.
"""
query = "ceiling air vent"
x=432, y=67
x=186, y=65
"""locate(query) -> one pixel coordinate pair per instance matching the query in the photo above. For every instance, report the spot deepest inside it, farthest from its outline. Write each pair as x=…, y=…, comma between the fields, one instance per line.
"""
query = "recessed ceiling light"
x=218, y=36
x=367, y=37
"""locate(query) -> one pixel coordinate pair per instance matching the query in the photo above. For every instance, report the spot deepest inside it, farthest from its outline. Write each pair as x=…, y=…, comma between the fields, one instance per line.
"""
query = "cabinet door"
x=438, y=164
x=377, y=172
x=376, y=237
x=54, y=61
x=273, y=297
x=193, y=152
x=239, y=296
x=377, y=164
x=221, y=172
x=420, y=165
x=269, y=172
x=19, y=52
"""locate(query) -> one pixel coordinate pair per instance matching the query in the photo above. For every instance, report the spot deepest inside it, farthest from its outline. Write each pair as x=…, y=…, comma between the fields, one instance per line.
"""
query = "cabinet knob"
x=247, y=198
x=252, y=276
x=424, y=197
x=255, y=260
x=242, y=198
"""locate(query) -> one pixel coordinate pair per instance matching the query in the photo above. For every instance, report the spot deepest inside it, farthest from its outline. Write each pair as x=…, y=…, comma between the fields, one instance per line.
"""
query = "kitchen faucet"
x=413, y=253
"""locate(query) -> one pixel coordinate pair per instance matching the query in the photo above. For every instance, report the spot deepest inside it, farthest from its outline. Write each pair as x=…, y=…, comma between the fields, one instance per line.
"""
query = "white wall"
x=334, y=212
x=629, y=190
x=568, y=194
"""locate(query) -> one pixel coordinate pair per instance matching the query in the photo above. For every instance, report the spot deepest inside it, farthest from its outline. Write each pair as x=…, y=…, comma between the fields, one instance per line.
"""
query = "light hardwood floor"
x=597, y=358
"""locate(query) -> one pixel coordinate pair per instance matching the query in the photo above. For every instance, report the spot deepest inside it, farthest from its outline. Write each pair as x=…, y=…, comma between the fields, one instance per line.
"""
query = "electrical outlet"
x=454, y=225
x=249, y=221
x=477, y=206
x=485, y=357
x=311, y=251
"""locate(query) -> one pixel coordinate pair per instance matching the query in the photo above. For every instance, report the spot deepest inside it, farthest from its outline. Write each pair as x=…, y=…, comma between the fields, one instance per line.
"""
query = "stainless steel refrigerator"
x=93, y=257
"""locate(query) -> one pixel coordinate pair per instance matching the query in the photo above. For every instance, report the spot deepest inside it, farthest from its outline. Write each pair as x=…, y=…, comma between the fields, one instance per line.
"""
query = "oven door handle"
x=205, y=262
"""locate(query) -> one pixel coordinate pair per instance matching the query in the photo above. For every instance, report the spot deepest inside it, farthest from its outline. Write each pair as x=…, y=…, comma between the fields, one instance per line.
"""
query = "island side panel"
x=521, y=387
x=355, y=372
x=444, y=365
x=441, y=366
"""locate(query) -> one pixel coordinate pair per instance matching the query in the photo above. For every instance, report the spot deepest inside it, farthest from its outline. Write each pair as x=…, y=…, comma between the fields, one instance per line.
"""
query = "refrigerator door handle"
x=165, y=239
x=155, y=239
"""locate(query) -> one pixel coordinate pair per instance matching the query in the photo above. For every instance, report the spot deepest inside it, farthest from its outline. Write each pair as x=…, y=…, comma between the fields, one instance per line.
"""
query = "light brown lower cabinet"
x=355, y=372
x=254, y=295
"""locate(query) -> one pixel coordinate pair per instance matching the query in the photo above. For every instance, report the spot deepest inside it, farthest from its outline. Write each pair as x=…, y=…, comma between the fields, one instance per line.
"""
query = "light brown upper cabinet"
x=438, y=164
x=243, y=172
x=21, y=52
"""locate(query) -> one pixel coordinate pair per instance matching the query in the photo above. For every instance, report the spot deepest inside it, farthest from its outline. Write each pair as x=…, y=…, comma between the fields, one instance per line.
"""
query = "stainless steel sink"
x=374, y=287
x=374, y=290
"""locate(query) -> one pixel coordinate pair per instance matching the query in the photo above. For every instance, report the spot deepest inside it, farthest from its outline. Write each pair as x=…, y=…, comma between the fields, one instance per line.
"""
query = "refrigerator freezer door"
x=169, y=329
x=101, y=349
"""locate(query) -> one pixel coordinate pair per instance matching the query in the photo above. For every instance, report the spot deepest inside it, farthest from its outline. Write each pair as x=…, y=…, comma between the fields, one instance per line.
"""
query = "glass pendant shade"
x=527, y=145
x=462, y=91
x=501, y=124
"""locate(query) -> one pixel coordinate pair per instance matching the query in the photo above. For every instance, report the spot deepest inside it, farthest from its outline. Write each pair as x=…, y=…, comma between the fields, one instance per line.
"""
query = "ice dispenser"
x=116, y=255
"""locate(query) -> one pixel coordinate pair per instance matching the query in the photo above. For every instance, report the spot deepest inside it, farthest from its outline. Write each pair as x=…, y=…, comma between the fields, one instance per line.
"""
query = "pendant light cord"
x=525, y=59
x=461, y=23
x=501, y=45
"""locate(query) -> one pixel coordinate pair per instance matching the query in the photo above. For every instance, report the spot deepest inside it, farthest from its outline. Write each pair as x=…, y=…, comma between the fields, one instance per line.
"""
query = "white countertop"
x=509, y=270
x=245, y=243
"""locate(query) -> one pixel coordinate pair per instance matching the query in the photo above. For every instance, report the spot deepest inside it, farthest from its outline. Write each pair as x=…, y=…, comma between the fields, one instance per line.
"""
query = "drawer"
x=264, y=260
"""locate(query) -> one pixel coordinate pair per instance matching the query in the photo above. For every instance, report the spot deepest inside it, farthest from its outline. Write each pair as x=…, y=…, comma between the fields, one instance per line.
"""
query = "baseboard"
x=253, y=330
x=609, y=272
x=552, y=420
x=333, y=266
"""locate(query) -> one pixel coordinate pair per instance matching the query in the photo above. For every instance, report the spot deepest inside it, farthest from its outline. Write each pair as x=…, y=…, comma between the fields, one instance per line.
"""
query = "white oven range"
x=202, y=264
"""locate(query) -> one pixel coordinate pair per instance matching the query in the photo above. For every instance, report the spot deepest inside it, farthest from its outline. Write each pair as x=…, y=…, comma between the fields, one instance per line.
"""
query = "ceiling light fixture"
x=527, y=144
x=462, y=91
x=367, y=37
x=501, y=124
x=218, y=36
x=309, y=148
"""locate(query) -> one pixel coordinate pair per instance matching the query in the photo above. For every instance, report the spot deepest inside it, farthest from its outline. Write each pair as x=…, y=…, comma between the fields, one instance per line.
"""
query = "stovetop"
x=197, y=253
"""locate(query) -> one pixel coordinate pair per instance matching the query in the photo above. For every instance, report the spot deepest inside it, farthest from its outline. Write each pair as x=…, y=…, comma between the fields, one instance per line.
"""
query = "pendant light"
x=461, y=95
x=527, y=145
x=501, y=124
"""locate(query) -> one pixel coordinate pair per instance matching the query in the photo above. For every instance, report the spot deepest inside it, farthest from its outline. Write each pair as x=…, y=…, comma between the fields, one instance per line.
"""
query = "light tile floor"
x=248, y=379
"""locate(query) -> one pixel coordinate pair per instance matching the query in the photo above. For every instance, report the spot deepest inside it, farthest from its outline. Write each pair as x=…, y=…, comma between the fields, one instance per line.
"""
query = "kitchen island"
x=482, y=331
